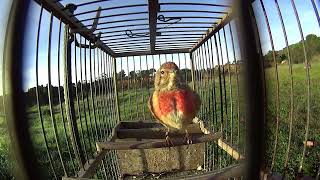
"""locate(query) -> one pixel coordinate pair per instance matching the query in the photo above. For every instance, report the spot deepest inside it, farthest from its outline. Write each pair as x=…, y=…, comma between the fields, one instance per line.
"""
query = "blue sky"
x=305, y=10
x=4, y=13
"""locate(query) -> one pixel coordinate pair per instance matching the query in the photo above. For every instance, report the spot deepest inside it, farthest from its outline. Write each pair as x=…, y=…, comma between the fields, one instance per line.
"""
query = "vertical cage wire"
x=277, y=84
x=218, y=106
x=96, y=99
x=291, y=85
x=60, y=102
x=237, y=85
x=223, y=103
x=92, y=87
x=100, y=95
x=53, y=119
x=84, y=93
x=38, y=101
x=78, y=102
x=69, y=97
x=135, y=79
x=307, y=67
x=290, y=154
x=220, y=96
x=105, y=106
x=93, y=95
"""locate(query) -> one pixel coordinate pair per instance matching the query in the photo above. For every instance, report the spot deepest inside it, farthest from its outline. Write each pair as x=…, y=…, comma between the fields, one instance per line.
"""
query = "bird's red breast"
x=175, y=108
x=180, y=100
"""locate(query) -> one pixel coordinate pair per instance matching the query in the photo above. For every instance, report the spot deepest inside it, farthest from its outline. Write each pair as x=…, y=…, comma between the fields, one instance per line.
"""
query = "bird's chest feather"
x=180, y=101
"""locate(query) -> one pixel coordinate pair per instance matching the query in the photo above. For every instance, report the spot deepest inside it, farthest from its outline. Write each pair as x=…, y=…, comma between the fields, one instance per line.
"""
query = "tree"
x=121, y=74
x=283, y=57
x=132, y=74
x=152, y=70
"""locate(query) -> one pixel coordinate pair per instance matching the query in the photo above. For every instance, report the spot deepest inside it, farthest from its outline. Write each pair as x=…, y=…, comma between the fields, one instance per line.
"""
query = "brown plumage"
x=173, y=103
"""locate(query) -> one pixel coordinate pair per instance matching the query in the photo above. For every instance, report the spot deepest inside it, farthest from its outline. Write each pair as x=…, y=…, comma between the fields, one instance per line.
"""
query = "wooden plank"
x=230, y=150
x=153, y=6
x=156, y=143
x=155, y=132
x=179, y=158
x=139, y=124
x=91, y=167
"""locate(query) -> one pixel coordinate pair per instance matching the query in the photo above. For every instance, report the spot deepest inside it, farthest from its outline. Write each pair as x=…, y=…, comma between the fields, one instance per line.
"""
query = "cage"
x=77, y=77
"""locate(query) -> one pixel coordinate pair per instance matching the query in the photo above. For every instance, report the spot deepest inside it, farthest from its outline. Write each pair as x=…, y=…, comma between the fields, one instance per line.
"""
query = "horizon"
x=305, y=11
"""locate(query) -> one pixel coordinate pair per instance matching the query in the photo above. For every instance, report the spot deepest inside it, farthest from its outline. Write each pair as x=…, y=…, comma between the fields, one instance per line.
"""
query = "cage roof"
x=140, y=27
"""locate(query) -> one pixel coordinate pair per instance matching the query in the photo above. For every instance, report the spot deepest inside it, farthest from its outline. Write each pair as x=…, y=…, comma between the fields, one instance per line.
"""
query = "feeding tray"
x=141, y=147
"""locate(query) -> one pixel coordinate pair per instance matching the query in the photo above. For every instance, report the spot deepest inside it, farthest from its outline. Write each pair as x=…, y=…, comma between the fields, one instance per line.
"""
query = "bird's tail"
x=201, y=125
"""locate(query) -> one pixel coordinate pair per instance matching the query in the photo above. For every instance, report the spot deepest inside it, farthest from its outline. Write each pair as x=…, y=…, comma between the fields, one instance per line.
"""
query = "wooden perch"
x=155, y=131
x=229, y=149
x=90, y=168
x=310, y=143
x=156, y=143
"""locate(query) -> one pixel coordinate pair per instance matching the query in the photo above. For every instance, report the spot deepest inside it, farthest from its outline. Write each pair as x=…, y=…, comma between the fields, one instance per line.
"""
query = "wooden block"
x=141, y=147
x=135, y=162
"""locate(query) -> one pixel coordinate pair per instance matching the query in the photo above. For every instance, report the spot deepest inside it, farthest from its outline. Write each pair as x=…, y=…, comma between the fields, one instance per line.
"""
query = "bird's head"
x=167, y=77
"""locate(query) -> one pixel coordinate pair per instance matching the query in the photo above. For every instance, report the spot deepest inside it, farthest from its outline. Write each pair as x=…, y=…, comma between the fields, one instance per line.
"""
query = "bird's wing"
x=195, y=98
x=151, y=107
x=197, y=101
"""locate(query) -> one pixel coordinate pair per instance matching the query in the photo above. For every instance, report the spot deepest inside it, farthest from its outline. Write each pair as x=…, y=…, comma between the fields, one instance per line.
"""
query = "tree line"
x=99, y=86
x=312, y=44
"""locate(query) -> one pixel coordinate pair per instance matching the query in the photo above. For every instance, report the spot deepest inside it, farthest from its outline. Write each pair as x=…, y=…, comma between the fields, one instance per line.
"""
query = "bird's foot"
x=169, y=143
x=187, y=138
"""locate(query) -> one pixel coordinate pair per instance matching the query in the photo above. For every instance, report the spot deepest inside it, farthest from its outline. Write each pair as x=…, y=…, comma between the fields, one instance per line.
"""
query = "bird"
x=173, y=103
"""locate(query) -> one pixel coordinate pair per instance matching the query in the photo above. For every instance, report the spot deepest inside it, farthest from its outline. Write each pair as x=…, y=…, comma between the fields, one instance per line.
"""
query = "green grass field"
x=133, y=107
x=312, y=157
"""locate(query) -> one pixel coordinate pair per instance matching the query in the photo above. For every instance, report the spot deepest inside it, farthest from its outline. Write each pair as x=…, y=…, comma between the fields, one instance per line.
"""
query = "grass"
x=312, y=158
x=106, y=121
x=133, y=106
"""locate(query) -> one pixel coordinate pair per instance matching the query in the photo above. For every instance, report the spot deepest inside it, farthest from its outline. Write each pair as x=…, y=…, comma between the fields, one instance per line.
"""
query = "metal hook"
x=130, y=34
x=94, y=24
x=84, y=45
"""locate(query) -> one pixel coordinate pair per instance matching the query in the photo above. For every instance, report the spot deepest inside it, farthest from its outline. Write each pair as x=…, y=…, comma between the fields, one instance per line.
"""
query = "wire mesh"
x=135, y=79
x=103, y=86
x=290, y=86
x=214, y=81
x=93, y=93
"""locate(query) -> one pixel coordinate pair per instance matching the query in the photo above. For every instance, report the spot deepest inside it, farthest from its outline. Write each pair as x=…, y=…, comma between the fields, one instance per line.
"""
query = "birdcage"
x=77, y=76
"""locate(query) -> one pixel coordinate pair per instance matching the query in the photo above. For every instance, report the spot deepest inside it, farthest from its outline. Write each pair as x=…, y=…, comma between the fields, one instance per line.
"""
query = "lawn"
x=312, y=158
x=229, y=104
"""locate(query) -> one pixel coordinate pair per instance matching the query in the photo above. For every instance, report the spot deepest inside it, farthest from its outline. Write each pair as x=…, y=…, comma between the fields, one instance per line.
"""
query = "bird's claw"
x=169, y=143
x=188, y=139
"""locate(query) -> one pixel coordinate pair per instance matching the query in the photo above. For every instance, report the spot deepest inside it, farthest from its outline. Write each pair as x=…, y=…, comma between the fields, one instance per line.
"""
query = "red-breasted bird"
x=173, y=103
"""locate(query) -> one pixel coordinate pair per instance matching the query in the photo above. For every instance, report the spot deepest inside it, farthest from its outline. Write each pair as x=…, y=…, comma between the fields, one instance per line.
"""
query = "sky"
x=305, y=11
x=4, y=13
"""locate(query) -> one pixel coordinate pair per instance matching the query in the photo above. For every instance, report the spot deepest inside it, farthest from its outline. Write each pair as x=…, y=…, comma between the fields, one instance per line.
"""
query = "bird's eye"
x=162, y=72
